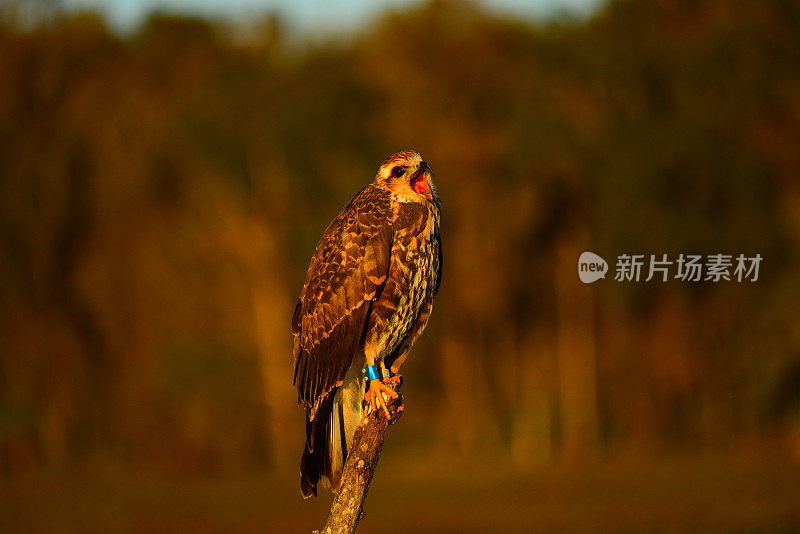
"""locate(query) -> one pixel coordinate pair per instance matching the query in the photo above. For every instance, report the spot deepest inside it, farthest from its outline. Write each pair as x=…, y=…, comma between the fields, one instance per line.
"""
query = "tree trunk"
x=348, y=505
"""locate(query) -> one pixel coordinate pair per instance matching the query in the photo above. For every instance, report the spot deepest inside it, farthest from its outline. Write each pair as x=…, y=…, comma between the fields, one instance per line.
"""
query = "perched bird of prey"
x=366, y=299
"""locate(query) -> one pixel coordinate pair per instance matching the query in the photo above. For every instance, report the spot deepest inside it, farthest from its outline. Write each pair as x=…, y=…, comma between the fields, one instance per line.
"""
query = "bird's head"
x=409, y=178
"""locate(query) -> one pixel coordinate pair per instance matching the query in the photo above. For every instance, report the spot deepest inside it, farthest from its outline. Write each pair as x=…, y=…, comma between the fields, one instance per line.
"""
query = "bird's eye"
x=398, y=171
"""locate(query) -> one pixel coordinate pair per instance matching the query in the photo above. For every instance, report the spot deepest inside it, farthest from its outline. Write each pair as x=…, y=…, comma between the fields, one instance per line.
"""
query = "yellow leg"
x=377, y=388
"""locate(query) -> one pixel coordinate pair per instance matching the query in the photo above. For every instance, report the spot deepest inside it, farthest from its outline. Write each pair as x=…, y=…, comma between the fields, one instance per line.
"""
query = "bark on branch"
x=362, y=460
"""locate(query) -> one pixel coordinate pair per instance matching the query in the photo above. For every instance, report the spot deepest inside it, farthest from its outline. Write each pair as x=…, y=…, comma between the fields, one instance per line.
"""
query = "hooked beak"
x=419, y=181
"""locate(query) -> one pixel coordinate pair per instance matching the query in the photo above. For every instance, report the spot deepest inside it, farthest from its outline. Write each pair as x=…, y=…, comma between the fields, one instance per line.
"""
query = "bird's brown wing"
x=346, y=274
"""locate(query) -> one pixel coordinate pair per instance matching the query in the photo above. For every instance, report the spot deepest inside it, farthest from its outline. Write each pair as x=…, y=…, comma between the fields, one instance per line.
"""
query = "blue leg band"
x=372, y=372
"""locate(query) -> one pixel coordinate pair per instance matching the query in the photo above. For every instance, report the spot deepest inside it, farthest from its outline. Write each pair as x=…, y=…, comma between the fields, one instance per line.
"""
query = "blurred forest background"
x=162, y=192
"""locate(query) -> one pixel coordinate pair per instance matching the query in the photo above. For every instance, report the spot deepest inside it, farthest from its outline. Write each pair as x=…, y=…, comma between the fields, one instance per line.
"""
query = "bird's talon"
x=396, y=416
x=378, y=394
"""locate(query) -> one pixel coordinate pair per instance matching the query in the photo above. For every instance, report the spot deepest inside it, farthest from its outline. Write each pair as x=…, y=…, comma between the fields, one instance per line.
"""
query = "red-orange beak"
x=419, y=183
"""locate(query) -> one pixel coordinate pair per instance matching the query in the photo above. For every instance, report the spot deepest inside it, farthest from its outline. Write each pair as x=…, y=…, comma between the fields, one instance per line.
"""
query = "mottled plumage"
x=367, y=296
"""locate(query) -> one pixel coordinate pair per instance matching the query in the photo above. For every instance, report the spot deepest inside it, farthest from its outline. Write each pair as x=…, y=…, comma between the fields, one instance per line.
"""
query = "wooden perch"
x=362, y=460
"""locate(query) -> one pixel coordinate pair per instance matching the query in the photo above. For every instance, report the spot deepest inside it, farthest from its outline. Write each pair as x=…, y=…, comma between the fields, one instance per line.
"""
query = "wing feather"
x=346, y=274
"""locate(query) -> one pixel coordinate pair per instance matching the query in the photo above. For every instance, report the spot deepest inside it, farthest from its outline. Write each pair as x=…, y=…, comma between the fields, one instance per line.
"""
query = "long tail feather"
x=345, y=416
x=315, y=462
x=329, y=435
